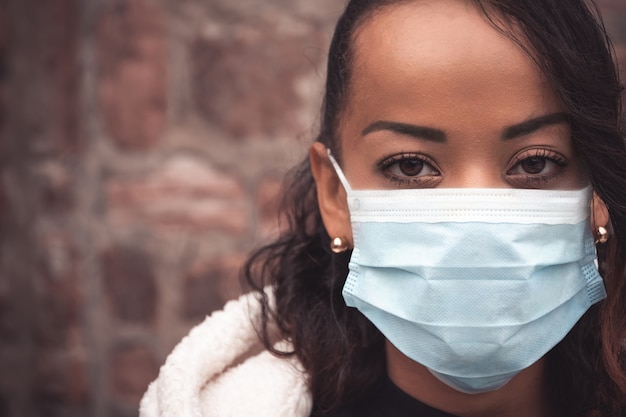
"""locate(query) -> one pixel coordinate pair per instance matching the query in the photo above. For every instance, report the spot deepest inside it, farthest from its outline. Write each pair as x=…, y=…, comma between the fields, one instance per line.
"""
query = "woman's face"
x=440, y=98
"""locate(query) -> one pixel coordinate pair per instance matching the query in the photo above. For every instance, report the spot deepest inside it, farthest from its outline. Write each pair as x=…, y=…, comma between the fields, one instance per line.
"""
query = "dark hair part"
x=342, y=352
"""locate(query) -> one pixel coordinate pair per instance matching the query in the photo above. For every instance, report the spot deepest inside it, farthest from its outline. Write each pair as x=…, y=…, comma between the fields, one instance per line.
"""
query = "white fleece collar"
x=205, y=375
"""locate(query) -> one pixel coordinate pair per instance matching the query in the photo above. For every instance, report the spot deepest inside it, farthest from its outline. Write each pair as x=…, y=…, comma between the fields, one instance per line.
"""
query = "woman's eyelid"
x=539, y=153
x=547, y=153
x=388, y=161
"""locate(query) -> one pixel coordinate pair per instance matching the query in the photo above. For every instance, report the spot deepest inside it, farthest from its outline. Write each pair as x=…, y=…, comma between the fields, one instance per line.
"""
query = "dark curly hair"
x=342, y=352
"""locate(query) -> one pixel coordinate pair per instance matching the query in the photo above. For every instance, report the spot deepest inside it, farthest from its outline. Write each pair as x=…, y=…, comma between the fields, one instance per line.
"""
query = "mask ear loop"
x=339, y=244
x=339, y=172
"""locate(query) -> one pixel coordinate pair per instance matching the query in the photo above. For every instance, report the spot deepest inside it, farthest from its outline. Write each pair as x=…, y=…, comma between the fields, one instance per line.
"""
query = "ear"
x=331, y=196
x=599, y=213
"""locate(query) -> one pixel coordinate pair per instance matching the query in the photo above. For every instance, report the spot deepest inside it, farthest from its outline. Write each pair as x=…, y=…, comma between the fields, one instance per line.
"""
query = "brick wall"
x=142, y=147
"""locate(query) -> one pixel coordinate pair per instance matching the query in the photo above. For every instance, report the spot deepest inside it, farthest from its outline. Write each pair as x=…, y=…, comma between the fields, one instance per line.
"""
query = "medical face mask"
x=475, y=284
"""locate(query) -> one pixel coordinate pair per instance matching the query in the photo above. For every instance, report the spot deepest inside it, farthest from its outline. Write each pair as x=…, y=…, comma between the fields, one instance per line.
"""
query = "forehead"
x=447, y=31
x=446, y=57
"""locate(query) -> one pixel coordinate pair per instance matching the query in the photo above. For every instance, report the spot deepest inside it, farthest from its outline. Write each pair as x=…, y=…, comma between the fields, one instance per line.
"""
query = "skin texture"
x=440, y=98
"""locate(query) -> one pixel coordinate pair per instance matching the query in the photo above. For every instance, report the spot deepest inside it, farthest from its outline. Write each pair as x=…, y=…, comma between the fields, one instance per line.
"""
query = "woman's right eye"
x=408, y=169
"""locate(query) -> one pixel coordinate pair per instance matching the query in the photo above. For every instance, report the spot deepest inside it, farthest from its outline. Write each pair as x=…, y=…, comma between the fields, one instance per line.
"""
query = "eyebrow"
x=435, y=135
x=532, y=125
x=418, y=132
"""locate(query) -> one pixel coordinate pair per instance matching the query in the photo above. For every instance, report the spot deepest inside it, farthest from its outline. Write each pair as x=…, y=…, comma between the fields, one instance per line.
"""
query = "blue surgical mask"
x=476, y=284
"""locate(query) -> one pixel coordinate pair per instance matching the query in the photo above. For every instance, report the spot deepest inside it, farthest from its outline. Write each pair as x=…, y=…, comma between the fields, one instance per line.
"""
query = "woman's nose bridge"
x=476, y=162
x=476, y=176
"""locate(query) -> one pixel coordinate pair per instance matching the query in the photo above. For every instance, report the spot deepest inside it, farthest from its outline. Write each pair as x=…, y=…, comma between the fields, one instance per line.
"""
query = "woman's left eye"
x=537, y=166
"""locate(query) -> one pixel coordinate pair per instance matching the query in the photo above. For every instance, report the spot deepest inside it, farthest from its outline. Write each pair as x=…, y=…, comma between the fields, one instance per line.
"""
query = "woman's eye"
x=537, y=167
x=408, y=168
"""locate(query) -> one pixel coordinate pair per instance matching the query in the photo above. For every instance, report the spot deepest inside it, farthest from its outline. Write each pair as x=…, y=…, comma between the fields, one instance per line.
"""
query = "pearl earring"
x=339, y=245
x=602, y=235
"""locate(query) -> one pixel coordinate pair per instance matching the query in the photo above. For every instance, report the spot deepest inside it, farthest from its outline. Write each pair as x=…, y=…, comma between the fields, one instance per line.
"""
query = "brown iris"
x=411, y=167
x=533, y=165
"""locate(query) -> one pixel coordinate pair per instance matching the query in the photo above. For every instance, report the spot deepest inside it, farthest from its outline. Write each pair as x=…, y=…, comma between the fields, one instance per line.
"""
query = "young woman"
x=441, y=259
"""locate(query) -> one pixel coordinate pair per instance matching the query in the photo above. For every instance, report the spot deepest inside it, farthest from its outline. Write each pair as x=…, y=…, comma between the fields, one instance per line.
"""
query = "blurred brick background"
x=142, y=147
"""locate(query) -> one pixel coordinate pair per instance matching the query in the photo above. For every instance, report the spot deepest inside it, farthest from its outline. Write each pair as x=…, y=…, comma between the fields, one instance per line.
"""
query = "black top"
x=387, y=401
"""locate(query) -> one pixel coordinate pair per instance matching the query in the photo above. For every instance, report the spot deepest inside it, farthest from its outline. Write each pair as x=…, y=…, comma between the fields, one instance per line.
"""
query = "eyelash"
x=529, y=180
x=423, y=181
